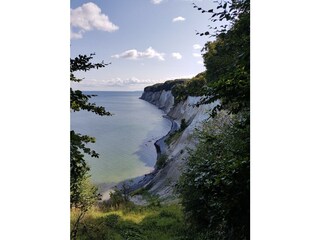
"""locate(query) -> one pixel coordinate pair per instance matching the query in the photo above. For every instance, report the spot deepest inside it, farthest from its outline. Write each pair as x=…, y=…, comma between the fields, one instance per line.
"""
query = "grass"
x=157, y=222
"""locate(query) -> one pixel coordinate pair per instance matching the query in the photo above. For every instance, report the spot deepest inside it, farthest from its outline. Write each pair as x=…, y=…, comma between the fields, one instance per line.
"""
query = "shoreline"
x=160, y=146
x=160, y=143
x=140, y=181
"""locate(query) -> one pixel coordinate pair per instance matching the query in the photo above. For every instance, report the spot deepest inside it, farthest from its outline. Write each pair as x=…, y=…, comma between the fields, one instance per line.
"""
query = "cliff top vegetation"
x=167, y=85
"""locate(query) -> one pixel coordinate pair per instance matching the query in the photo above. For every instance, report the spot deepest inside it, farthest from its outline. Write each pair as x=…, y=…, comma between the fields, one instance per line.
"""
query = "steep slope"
x=162, y=99
x=174, y=153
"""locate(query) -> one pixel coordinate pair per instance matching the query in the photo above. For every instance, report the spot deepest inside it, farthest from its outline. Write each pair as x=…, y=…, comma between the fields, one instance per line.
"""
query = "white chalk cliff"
x=165, y=179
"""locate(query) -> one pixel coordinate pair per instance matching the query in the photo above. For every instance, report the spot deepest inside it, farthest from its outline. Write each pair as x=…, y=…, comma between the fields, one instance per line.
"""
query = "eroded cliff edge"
x=174, y=147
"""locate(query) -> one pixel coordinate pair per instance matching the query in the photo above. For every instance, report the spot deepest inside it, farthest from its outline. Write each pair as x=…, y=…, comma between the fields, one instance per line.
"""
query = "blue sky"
x=146, y=41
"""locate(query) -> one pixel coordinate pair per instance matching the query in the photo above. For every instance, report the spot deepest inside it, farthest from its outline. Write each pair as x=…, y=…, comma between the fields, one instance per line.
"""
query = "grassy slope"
x=161, y=222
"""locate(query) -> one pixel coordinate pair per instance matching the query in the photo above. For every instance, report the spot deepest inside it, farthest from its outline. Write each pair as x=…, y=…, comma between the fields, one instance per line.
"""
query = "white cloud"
x=156, y=1
x=114, y=82
x=89, y=17
x=120, y=84
x=135, y=54
x=75, y=35
x=200, y=62
x=176, y=55
x=134, y=81
x=196, y=46
x=178, y=19
x=125, y=82
x=196, y=54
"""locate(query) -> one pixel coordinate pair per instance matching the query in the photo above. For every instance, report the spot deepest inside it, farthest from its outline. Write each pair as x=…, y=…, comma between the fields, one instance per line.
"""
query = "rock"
x=164, y=180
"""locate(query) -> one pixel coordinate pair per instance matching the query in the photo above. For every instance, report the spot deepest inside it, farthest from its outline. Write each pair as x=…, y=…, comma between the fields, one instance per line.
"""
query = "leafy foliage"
x=227, y=59
x=82, y=63
x=166, y=86
x=119, y=197
x=215, y=188
x=82, y=194
x=195, y=86
x=87, y=196
x=161, y=161
x=116, y=198
x=80, y=101
x=226, y=13
x=78, y=166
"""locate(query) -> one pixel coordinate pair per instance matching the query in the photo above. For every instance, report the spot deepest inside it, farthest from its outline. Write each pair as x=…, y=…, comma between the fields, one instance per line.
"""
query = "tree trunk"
x=74, y=231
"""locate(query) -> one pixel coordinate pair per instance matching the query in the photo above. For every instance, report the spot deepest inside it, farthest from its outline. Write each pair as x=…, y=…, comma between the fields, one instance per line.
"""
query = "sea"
x=125, y=140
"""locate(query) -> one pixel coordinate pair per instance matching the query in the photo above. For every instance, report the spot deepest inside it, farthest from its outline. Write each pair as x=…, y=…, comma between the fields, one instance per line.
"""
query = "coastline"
x=160, y=146
x=140, y=181
x=160, y=143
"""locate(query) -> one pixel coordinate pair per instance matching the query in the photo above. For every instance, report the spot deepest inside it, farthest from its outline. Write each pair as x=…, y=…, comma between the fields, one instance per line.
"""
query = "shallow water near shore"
x=124, y=141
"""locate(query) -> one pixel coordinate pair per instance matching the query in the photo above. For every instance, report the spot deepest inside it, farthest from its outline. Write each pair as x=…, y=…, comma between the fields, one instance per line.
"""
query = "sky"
x=146, y=41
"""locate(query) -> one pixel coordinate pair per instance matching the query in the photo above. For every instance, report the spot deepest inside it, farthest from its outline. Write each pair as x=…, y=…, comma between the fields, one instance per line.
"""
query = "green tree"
x=82, y=195
x=195, y=86
x=80, y=101
x=120, y=196
x=227, y=59
x=215, y=187
x=87, y=197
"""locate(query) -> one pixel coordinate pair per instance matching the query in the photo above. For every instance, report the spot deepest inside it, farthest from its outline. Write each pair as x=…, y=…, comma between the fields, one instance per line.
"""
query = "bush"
x=119, y=197
x=153, y=201
x=112, y=220
x=167, y=85
x=192, y=87
x=161, y=162
x=183, y=125
x=215, y=187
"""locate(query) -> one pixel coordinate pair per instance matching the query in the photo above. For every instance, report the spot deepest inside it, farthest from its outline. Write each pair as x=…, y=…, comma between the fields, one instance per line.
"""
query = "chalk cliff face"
x=176, y=151
x=162, y=99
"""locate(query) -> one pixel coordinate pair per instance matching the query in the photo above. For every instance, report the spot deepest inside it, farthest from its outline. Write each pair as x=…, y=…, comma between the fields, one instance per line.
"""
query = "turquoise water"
x=125, y=140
